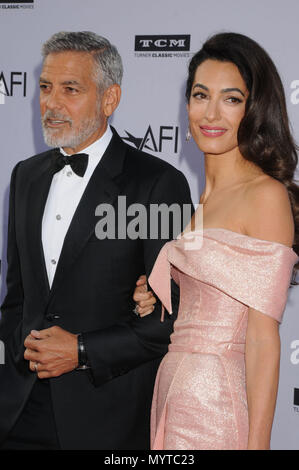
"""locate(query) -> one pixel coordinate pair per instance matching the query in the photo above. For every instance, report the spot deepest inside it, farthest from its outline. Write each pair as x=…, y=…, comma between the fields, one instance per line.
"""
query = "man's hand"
x=54, y=350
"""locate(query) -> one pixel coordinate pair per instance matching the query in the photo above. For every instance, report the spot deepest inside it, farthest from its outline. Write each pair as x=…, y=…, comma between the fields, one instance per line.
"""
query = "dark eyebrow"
x=71, y=82
x=225, y=90
x=41, y=79
x=199, y=85
x=66, y=82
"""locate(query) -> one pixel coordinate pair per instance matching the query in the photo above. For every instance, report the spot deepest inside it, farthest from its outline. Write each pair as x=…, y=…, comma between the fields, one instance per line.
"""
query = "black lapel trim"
x=38, y=193
x=100, y=189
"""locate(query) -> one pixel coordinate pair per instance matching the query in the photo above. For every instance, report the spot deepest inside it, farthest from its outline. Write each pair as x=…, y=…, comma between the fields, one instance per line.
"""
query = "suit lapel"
x=38, y=193
x=101, y=189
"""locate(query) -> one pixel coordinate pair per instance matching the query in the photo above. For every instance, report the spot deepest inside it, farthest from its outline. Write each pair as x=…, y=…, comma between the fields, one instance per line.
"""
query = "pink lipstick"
x=210, y=131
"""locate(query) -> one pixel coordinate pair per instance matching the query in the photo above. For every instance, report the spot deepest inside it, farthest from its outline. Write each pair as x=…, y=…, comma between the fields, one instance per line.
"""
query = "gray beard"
x=73, y=137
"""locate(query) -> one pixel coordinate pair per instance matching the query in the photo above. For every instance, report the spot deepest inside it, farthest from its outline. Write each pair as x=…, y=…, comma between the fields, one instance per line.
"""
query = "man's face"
x=71, y=111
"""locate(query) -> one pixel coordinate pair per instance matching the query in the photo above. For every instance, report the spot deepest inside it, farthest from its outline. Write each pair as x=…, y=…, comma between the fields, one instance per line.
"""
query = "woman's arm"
x=269, y=217
x=262, y=356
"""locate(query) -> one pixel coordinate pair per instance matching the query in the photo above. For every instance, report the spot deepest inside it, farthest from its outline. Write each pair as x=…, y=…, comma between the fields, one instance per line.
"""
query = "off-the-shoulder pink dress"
x=199, y=399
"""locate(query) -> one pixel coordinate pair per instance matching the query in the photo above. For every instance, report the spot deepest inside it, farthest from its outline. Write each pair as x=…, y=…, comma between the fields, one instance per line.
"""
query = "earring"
x=188, y=134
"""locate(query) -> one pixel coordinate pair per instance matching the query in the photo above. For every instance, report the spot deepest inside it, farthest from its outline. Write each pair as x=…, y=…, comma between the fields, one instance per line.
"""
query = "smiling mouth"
x=212, y=131
x=55, y=122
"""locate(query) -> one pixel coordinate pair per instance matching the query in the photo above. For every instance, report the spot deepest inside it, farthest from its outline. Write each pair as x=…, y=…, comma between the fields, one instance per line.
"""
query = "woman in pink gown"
x=216, y=387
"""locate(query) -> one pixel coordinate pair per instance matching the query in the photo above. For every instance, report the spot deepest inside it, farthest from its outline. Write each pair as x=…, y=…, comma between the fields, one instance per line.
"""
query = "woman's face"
x=217, y=106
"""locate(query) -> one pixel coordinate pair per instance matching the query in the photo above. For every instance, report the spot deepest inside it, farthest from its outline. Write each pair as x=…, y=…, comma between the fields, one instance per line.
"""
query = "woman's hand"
x=144, y=298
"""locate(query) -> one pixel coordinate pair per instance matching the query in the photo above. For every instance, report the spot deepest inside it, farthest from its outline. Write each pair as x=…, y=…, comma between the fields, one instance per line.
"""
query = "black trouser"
x=35, y=428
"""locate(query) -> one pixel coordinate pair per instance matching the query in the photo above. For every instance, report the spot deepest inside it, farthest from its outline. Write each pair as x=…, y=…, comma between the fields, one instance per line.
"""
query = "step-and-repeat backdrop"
x=156, y=40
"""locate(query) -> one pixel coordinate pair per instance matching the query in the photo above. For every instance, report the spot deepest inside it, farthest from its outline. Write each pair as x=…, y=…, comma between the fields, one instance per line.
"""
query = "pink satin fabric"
x=199, y=398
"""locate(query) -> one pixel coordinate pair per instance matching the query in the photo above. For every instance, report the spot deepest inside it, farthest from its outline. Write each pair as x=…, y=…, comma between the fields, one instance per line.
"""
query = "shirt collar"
x=97, y=148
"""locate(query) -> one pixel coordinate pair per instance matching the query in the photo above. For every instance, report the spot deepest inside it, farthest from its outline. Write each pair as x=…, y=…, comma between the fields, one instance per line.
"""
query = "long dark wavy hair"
x=264, y=136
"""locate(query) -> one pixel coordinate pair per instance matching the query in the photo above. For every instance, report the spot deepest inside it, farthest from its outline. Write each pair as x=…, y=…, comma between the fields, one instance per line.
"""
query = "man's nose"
x=53, y=100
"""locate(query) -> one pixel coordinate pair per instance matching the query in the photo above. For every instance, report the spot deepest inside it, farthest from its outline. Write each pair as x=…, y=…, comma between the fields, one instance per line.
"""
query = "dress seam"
x=167, y=396
x=232, y=399
x=240, y=323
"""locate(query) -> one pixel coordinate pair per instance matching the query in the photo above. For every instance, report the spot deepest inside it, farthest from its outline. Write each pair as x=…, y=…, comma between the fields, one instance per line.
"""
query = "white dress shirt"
x=64, y=196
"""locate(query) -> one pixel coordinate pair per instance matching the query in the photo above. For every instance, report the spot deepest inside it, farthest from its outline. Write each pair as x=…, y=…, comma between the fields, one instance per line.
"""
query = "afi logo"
x=179, y=42
x=153, y=142
x=12, y=83
x=2, y=92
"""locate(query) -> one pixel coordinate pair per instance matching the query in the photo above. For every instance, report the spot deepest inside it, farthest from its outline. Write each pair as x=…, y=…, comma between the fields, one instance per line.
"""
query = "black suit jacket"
x=108, y=406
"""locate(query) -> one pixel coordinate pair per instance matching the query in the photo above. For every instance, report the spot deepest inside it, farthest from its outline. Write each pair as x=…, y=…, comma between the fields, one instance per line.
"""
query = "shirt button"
x=58, y=217
x=52, y=316
x=69, y=173
x=53, y=261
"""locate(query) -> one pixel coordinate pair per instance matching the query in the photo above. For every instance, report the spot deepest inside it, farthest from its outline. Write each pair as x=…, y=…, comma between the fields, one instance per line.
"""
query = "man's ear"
x=111, y=99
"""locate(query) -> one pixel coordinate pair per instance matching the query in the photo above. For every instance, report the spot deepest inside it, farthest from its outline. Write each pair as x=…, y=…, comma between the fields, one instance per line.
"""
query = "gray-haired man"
x=79, y=365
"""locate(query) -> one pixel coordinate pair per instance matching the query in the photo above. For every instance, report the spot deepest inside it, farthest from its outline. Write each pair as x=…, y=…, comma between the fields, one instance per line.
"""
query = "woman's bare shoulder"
x=268, y=213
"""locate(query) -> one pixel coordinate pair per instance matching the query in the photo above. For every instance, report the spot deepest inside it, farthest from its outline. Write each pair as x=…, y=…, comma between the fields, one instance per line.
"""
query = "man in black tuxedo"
x=79, y=363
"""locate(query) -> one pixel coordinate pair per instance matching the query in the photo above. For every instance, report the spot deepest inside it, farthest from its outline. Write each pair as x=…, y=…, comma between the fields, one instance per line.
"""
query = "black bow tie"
x=78, y=162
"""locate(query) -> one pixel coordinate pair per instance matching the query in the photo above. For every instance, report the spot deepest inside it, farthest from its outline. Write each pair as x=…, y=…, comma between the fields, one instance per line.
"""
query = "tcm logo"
x=16, y=4
x=295, y=354
x=11, y=84
x=156, y=142
x=179, y=42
